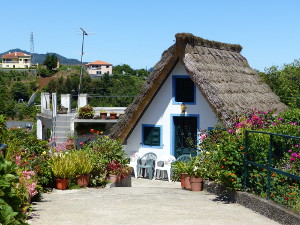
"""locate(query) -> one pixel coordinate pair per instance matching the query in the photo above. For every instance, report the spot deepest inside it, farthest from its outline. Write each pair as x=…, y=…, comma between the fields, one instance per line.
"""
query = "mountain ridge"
x=40, y=58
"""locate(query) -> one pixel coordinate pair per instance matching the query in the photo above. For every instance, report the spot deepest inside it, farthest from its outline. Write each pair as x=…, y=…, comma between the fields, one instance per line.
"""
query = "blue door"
x=185, y=133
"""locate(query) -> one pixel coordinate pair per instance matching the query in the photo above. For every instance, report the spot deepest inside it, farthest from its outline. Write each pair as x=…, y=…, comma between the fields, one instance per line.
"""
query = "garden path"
x=146, y=202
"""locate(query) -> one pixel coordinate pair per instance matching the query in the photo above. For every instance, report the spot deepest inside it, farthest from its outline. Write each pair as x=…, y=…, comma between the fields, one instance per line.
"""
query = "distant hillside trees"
x=285, y=82
x=14, y=86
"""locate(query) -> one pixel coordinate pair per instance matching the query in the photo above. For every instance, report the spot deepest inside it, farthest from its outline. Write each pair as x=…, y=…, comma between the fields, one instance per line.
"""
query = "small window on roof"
x=184, y=89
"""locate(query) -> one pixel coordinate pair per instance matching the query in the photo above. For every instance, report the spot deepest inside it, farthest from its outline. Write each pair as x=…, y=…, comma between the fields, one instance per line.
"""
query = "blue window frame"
x=151, y=136
x=183, y=90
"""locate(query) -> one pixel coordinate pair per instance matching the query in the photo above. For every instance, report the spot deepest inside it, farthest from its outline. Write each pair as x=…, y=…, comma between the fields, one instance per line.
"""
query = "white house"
x=16, y=60
x=99, y=68
x=196, y=83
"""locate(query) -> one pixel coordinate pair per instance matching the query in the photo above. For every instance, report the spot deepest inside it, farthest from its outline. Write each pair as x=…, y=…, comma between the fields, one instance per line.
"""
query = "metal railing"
x=274, y=153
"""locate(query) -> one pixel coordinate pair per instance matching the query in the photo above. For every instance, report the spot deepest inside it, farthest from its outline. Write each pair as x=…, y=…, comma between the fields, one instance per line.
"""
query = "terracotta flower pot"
x=103, y=115
x=83, y=180
x=113, y=178
x=187, y=183
x=61, y=184
x=196, y=183
x=182, y=179
x=113, y=116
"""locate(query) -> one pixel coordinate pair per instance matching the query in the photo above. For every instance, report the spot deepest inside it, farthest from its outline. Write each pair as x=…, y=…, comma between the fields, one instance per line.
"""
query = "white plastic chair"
x=164, y=164
x=133, y=162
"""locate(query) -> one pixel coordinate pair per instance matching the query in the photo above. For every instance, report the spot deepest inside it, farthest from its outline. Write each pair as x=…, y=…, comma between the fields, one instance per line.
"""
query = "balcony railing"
x=17, y=62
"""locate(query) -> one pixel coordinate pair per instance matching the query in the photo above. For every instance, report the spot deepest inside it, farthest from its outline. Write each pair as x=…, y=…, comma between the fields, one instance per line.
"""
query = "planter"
x=187, y=183
x=182, y=179
x=196, y=183
x=113, y=178
x=113, y=116
x=103, y=115
x=61, y=184
x=83, y=180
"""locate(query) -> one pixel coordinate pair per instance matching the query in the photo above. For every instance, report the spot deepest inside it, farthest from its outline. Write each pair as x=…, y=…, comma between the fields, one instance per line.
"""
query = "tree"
x=20, y=91
x=124, y=69
x=285, y=82
x=51, y=61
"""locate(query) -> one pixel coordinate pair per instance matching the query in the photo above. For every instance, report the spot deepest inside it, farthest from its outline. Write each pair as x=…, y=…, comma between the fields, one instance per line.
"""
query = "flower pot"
x=196, y=183
x=113, y=178
x=113, y=116
x=182, y=179
x=61, y=184
x=83, y=180
x=103, y=115
x=187, y=183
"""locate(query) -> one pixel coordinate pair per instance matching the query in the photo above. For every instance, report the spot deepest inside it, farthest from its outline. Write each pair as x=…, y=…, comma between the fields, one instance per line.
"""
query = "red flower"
x=92, y=130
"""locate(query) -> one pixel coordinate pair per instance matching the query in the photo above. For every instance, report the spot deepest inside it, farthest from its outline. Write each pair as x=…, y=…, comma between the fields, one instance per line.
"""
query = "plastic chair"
x=184, y=158
x=147, y=162
x=166, y=166
x=133, y=162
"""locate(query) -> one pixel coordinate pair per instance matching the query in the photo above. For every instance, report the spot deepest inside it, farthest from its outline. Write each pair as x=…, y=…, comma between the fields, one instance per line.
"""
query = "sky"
x=137, y=32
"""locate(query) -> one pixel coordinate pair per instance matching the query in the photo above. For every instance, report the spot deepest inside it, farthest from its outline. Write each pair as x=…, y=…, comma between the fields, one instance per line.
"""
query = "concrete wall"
x=160, y=112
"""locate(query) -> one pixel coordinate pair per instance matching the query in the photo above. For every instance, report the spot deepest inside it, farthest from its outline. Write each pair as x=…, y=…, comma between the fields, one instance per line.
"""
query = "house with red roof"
x=98, y=68
x=16, y=60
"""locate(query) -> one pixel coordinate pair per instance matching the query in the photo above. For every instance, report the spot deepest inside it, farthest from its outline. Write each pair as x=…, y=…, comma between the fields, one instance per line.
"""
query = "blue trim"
x=161, y=140
x=174, y=77
x=172, y=127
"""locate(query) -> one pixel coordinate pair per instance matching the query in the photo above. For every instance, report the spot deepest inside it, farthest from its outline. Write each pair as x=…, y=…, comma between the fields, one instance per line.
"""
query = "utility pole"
x=80, y=78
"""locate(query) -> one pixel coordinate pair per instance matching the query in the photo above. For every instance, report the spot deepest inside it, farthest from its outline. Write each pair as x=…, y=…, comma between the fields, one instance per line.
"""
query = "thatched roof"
x=220, y=72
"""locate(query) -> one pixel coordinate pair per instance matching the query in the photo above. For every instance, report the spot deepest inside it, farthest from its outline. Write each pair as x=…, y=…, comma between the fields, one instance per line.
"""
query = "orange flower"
x=291, y=186
x=232, y=180
x=242, y=147
x=272, y=195
x=222, y=167
x=273, y=175
x=283, y=179
x=232, y=174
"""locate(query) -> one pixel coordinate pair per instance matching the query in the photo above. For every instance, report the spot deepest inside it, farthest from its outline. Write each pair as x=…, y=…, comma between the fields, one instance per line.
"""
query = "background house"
x=16, y=60
x=98, y=68
x=196, y=83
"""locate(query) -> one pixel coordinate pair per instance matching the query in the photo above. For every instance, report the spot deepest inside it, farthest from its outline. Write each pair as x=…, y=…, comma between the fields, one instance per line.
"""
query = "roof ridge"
x=188, y=38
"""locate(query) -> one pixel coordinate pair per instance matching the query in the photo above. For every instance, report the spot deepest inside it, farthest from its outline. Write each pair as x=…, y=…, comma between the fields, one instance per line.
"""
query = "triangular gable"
x=220, y=72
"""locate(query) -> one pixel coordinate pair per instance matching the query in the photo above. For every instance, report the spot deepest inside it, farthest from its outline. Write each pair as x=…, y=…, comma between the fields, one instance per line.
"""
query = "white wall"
x=159, y=113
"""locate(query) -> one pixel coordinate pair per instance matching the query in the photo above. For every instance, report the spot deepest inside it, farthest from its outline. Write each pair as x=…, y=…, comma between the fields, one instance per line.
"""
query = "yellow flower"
x=207, y=153
x=44, y=153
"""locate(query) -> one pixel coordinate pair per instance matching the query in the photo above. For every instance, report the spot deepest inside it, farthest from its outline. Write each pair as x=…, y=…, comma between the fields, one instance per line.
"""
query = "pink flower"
x=280, y=118
x=292, y=159
x=274, y=124
x=230, y=131
x=297, y=146
x=202, y=137
x=290, y=150
x=81, y=143
x=294, y=154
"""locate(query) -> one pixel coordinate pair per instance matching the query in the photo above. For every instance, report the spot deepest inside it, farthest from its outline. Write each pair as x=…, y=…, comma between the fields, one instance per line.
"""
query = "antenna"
x=31, y=46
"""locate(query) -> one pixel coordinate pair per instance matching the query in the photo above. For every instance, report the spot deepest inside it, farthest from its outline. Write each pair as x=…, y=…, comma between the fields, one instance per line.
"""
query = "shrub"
x=86, y=112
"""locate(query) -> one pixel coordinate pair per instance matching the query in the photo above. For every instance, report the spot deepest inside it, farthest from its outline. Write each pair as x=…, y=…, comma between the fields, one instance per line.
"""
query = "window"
x=98, y=72
x=107, y=66
x=183, y=90
x=151, y=136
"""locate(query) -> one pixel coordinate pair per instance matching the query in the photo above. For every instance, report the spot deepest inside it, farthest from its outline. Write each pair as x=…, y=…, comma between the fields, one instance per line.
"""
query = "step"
x=62, y=128
x=62, y=123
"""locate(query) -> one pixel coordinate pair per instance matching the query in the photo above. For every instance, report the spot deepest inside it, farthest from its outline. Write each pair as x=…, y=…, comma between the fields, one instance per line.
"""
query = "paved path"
x=147, y=202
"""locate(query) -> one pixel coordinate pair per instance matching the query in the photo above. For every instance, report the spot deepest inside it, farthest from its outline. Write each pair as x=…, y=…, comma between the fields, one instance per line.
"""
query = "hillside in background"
x=40, y=58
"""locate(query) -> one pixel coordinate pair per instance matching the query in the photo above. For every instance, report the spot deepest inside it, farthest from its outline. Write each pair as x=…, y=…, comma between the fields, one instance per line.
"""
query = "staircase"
x=62, y=127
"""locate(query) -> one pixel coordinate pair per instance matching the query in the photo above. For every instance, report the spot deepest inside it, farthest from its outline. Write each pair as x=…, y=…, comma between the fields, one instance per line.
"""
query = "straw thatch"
x=219, y=71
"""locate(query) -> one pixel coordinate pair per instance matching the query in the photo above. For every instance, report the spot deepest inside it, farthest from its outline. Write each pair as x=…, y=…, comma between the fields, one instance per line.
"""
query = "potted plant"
x=63, y=167
x=86, y=112
x=196, y=172
x=103, y=114
x=83, y=167
x=179, y=172
x=113, y=115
